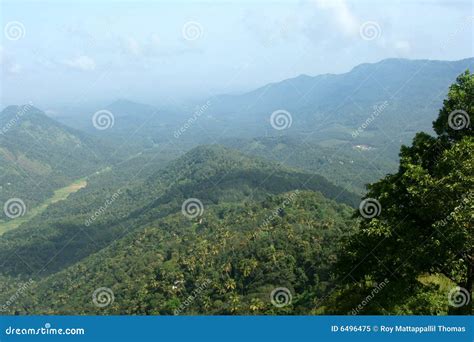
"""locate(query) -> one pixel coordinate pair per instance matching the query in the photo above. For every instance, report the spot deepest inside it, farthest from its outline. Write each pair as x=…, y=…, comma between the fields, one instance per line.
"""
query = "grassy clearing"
x=59, y=195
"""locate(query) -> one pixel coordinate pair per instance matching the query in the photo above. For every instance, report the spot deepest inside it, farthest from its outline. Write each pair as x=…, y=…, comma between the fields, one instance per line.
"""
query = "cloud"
x=346, y=21
x=6, y=63
x=83, y=63
x=403, y=47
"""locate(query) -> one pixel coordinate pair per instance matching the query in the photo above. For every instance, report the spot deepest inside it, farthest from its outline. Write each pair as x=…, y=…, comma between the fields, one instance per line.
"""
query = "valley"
x=59, y=195
x=353, y=194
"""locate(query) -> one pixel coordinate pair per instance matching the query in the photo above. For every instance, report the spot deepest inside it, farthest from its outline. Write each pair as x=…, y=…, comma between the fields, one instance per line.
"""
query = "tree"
x=425, y=210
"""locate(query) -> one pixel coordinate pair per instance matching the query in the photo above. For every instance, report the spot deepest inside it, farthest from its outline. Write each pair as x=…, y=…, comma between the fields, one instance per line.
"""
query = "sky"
x=60, y=52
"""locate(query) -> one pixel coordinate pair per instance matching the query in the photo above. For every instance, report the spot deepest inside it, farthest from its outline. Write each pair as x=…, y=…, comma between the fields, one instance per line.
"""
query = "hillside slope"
x=39, y=155
x=234, y=256
x=71, y=230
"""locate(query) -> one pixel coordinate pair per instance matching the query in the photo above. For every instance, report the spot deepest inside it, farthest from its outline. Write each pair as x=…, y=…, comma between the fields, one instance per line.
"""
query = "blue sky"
x=56, y=52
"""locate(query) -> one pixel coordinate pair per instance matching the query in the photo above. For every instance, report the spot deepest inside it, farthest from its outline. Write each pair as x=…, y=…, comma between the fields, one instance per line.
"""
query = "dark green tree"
x=425, y=217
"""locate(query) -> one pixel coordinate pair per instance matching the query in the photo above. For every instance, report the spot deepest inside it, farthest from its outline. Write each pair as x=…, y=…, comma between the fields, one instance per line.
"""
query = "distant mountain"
x=133, y=125
x=397, y=96
x=213, y=174
x=380, y=105
x=39, y=155
x=342, y=98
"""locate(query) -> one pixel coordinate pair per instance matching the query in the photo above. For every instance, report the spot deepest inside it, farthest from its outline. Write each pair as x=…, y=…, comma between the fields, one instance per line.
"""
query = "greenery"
x=268, y=218
x=426, y=219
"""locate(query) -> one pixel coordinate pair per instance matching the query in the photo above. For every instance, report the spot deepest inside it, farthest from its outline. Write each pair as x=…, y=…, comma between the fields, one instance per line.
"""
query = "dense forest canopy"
x=180, y=229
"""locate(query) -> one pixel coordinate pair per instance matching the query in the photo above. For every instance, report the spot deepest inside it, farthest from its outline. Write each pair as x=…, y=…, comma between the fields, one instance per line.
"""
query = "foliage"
x=426, y=222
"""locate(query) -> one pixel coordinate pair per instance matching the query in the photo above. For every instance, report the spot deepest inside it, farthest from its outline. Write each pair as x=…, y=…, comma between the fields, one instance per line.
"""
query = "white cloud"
x=403, y=47
x=84, y=63
x=6, y=63
x=346, y=21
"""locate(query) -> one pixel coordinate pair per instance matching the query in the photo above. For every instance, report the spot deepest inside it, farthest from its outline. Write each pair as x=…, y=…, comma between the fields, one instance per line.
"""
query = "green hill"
x=106, y=210
x=39, y=155
x=234, y=255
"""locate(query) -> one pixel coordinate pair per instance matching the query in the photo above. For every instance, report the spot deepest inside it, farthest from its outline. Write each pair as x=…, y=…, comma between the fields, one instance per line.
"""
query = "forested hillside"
x=212, y=174
x=237, y=254
x=39, y=155
x=219, y=230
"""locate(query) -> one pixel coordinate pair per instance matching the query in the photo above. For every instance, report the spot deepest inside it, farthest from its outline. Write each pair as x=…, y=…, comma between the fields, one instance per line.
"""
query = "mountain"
x=347, y=166
x=39, y=155
x=412, y=89
x=105, y=211
x=234, y=255
x=134, y=126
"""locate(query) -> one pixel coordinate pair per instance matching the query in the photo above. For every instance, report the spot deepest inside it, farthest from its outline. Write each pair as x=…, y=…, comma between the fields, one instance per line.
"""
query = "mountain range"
x=233, y=201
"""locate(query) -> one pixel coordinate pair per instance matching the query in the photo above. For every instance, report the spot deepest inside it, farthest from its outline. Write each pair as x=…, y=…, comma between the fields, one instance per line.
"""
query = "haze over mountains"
x=347, y=121
x=272, y=201
x=325, y=108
